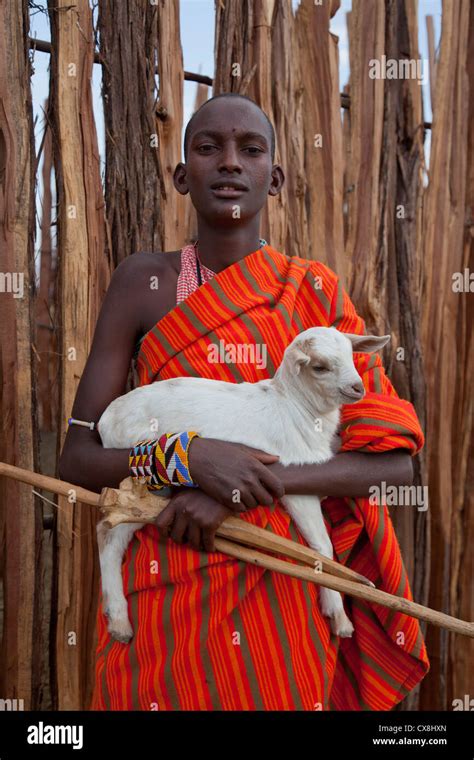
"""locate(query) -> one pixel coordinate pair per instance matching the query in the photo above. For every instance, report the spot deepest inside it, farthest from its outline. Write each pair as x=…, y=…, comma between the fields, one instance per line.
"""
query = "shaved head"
x=189, y=128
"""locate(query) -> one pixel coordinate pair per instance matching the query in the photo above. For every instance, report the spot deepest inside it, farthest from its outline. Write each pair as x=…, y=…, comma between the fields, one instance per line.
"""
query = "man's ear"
x=367, y=344
x=179, y=179
x=278, y=180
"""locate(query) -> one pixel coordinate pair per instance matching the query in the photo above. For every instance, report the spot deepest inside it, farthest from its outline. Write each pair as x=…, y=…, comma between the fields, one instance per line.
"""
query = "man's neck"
x=219, y=248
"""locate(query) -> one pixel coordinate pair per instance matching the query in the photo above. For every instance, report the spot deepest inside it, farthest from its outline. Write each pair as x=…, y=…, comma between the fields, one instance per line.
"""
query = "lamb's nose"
x=358, y=388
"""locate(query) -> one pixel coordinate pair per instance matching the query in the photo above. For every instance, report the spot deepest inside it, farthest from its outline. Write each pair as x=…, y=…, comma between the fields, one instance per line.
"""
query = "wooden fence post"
x=20, y=513
x=448, y=352
x=169, y=119
x=134, y=178
x=318, y=59
x=84, y=274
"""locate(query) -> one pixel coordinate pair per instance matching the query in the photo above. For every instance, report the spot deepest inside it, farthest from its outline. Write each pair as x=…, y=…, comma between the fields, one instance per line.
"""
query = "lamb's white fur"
x=278, y=416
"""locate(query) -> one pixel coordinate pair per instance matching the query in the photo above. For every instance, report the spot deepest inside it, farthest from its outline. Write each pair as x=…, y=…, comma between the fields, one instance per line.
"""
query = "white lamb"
x=295, y=415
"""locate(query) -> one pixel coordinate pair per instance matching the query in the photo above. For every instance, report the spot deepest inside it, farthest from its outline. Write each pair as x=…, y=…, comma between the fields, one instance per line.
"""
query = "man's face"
x=229, y=171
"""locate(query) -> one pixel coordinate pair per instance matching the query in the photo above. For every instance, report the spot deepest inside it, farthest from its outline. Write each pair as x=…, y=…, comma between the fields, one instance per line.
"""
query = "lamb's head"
x=318, y=367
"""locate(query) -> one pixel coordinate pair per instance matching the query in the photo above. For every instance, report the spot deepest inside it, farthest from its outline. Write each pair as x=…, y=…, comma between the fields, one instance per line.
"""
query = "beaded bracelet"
x=163, y=461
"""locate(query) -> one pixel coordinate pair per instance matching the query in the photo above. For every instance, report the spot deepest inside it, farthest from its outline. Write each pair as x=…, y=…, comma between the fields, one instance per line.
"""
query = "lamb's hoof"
x=121, y=630
x=341, y=625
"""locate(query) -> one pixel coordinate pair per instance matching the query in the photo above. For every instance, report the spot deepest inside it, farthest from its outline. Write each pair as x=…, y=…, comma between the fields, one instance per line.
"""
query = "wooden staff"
x=132, y=502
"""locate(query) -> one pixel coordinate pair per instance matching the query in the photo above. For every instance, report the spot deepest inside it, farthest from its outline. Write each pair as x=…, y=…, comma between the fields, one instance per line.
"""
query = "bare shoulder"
x=141, y=275
x=144, y=263
x=147, y=282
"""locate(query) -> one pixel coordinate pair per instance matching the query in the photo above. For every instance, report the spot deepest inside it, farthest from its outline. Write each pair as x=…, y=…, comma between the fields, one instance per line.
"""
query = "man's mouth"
x=228, y=189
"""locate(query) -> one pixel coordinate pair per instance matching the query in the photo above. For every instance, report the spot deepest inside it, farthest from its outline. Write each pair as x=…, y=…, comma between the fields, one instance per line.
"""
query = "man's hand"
x=192, y=516
x=233, y=474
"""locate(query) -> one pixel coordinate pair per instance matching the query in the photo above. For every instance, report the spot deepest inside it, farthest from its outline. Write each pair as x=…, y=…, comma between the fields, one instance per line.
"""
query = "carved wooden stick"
x=132, y=502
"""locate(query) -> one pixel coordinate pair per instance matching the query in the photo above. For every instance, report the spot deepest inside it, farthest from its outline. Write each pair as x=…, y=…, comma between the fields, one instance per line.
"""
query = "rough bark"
x=135, y=183
x=384, y=194
x=461, y=654
x=322, y=124
x=448, y=351
x=46, y=346
x=170, y=121
x=20, y=512
x=84, y=274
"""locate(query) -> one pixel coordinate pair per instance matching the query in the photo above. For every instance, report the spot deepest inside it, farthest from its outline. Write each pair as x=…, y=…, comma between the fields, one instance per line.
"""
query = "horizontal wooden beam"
x=45, y=47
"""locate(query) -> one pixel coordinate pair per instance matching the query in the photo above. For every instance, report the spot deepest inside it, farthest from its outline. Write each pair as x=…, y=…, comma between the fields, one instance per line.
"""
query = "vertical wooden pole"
x=431, y=56
x=448, y=354
x=135, y=183
x=84, y=273
x=384, y=192
x=20, y=516
x=367, y=34
x=44, y=307
x=461, y=654
x=170, y=121
x=322, y=123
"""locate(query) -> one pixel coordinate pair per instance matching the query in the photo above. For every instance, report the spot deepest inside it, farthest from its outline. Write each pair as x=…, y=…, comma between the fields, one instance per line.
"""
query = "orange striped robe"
x=214, y=633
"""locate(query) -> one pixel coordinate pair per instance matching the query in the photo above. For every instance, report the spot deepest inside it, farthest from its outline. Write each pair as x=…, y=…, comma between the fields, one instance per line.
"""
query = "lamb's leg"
x=306, y=512
x=112, y=545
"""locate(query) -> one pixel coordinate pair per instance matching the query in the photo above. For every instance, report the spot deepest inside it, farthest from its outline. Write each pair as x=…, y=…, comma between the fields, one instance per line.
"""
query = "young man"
x=212, y=633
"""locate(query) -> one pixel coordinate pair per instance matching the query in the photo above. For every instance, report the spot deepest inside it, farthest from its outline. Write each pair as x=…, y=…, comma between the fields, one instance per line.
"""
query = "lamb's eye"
x=320, y=368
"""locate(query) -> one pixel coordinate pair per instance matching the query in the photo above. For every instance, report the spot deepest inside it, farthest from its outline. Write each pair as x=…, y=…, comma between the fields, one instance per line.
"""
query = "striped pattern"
x=212, y=633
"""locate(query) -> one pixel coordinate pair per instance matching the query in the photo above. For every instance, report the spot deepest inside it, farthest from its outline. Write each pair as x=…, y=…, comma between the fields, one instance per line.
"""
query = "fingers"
x=165, y=520
x=248, y=498
x=179, y=527
x=172, y=521
x=181, y=522
x=263, y=486
x=262, y=456
x=262, y=495
x=272, y=483
x=208, y=537
x=260, y=487
x=195, y=535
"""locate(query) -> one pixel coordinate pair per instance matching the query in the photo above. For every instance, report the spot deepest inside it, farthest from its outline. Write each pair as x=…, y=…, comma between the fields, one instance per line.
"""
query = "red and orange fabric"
x=214, y=633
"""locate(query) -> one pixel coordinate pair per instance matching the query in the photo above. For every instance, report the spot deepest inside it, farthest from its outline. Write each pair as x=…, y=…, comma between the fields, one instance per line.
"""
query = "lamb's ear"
x=297, y=359
x=367, y=344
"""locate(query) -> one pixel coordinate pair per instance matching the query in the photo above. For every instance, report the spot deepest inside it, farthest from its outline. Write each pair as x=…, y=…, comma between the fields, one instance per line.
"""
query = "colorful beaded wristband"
x=163, y=461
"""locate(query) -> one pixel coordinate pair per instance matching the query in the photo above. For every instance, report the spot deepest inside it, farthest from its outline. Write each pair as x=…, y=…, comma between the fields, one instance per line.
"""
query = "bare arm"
x=83, y=460
x=348, y=473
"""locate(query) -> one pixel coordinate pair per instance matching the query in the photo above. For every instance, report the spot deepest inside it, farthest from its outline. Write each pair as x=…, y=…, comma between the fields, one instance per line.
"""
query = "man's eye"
x=205, y=148
x=254, y=149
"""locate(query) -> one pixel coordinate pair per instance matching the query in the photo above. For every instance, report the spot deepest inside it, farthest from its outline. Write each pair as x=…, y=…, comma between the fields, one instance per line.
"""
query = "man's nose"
x=230, y=158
